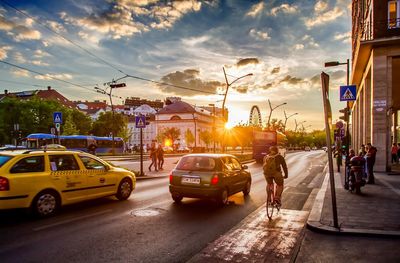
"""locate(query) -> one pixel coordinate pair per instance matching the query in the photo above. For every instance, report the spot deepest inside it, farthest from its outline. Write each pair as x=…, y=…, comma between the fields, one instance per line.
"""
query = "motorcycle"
x=356, y=174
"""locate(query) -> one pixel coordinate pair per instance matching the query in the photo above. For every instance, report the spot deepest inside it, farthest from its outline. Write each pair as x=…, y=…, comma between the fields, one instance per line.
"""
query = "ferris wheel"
x=255, y=116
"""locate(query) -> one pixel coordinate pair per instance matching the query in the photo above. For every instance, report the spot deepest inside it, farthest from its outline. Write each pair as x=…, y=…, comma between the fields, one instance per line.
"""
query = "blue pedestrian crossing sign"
x=140, y=121
x=57, y=117
x=348, y=93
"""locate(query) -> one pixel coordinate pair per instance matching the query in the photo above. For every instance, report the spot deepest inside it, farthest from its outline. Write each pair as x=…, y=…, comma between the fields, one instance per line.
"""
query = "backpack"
x=269, y=166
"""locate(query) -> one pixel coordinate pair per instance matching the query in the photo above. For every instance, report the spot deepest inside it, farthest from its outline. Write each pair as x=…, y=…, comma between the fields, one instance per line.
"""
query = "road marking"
x=70, y=220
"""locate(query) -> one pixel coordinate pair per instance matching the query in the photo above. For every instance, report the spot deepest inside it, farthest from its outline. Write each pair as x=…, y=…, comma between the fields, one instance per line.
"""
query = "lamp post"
x=286, y=118
x=213, y=128
x=347, y=63
x=297, y=124
x=111, y=85
x=271, y=110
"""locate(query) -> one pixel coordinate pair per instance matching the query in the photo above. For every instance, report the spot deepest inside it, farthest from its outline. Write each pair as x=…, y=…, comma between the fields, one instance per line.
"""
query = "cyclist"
x=272, y=172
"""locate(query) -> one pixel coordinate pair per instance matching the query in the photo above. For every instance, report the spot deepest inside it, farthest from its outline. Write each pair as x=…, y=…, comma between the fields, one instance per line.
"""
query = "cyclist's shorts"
x=277, y=177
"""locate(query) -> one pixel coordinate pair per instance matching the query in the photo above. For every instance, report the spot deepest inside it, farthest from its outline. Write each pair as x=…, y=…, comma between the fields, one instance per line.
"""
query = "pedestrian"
x=398, y=152
x=394, y=153
x=160, y=156
x=362, y=150
x=92, y=148
x=153, y=156
x=272, y=172
x=371, y=156
x=352, y=153
x=338, y=156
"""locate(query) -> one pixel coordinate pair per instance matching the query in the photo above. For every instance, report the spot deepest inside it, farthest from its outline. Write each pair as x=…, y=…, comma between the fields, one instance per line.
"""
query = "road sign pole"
x=141, y=152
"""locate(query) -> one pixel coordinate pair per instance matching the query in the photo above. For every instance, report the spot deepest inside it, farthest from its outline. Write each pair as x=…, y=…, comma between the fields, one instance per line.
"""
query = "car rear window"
x=196, y=163
x=4, y=159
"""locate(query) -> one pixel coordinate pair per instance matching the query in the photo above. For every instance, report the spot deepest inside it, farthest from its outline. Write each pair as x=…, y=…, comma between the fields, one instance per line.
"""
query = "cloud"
x=63, y=76
x=259, y=34
x=291, y=80
x=241, y=89
x=40, y=54
x=247, y=61
x=127, y=18
x=55, y=26
x=325, y=17
x=320, y=6
x=189, y=78
x=344, y=37
x=275, y=70
x=284, y=8
x=3, y=51
x=256, y=9
x=19, y=31
x=299, y=46
x=20, y=73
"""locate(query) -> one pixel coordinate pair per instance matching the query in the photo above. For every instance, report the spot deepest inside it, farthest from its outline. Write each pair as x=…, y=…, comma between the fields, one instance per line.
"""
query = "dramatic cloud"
x=275, y=70
x=259, y=34
x=189, y=79
x=320, y=6
x=122, y=19
x=63, y=76
x=284, y=8
x=345, y=37
x=19, y=31
x=247, y=61
x=241, y=89
x=291, y=80
x=20, y=73
x=256, y=9
x=3, y=51
x=325, y=17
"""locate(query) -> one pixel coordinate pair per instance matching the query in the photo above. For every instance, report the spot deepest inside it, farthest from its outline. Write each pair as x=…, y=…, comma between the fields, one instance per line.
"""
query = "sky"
x=74, y=46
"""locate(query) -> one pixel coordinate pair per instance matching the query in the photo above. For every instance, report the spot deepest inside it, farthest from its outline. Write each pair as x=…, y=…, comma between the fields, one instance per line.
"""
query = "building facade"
x=375, y=71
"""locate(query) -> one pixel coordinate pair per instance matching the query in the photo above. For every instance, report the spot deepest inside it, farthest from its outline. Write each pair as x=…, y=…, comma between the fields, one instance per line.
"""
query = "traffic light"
x=345, y=115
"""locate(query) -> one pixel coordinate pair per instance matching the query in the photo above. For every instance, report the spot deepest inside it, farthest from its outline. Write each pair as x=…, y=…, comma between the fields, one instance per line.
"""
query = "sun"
x=228, y=126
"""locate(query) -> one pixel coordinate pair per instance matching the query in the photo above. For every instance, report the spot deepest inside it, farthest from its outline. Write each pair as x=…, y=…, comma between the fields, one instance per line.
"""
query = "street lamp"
x=272, y=109
x=347, y=63
x=297, y=124
x=213, y=128
x=111, y=85
x=227, y=87
x=286, y=118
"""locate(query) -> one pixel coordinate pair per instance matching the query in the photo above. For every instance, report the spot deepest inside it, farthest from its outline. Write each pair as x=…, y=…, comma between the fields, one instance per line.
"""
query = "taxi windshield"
x=4, y=159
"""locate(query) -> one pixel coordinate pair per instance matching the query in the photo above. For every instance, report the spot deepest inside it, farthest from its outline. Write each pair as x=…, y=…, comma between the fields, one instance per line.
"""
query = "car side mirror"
x=244, y=167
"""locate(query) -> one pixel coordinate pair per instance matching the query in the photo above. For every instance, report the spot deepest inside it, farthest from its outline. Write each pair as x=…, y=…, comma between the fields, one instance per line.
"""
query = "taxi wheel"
x=124, y=189
x=246, y=190
x=46, y=204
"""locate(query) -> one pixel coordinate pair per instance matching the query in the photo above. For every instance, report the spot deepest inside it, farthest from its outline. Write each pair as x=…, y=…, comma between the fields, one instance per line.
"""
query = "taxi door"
x=101, y=181
x=67, y=177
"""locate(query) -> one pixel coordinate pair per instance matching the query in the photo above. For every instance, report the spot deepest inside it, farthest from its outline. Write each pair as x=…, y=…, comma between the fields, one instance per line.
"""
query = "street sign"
x=52, y=130
x=339, y=124
x=140, y=121
x=348, y=93
x=58, y=125
x=57, y=117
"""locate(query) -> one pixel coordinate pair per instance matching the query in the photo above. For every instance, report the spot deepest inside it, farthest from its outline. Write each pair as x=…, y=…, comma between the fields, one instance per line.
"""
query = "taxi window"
x=32, y=164
x=92, y=164
x=227, y=164
x=4, y=159
x=196, y=163
x=63, y=162
x=235, y=164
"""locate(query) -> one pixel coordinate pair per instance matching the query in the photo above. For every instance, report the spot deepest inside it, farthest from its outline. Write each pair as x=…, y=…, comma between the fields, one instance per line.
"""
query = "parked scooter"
x=356, y=175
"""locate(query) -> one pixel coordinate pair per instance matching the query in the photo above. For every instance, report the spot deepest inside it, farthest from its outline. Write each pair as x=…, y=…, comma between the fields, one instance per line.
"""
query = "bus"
x=76, y=142
x=262, y=140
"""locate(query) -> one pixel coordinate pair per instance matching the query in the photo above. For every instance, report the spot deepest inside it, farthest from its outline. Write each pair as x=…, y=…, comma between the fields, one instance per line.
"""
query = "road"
x=148, y=227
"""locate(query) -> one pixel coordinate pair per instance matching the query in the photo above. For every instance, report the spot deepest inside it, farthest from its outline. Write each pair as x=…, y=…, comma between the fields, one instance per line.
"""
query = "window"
x=235, y=164
x=196, y=163
x=394, y=14
x=63, y=162
x=4, y=159
x=31, y=164
x=92, y=164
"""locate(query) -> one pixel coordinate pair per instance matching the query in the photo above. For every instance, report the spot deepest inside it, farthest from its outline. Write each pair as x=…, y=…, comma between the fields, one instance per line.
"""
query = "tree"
x=106, y=124
x=171, y=134
x=83, y=123
x=189, y=137
x=69, y=127
x=206, y=137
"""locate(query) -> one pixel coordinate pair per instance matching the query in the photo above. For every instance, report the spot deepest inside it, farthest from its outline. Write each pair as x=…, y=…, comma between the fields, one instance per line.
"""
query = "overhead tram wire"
x=99, y=58
x=51, y=77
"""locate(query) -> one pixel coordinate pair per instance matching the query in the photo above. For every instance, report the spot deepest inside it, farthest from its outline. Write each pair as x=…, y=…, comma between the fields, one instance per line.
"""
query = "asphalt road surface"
x=148, y=227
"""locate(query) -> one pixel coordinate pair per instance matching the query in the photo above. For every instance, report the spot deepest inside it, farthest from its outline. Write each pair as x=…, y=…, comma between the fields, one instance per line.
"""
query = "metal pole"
x=214, y=126
x=270, y=113
x=141, y=152
x=112, y=129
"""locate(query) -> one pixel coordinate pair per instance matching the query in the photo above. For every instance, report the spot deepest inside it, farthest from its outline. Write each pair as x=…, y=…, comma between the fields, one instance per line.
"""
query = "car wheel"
x=124, y=189
x=246, y=190
x=177, y=198
x=223, y=197
x=46, y=203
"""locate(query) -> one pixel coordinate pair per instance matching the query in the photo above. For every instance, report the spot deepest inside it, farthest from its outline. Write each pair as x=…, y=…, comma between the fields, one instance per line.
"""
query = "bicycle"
x=271, y=203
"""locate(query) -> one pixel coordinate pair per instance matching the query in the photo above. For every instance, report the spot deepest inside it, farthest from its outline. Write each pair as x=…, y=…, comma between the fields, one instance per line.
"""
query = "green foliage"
x=206, y=137
x=170, y=133
x=106, y=124
x=69, y=127
x=82, y=122
x=189, y=137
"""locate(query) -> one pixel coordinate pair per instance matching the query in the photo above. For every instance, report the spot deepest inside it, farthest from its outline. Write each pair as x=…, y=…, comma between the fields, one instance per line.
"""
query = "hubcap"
x=125, y=189
x=46, y=204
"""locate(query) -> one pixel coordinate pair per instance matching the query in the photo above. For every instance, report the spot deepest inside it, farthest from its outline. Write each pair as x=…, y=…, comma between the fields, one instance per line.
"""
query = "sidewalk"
x=375, y=212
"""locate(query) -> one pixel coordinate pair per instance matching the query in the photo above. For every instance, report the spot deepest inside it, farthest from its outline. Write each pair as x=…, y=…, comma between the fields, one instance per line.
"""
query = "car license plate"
x=190, y=180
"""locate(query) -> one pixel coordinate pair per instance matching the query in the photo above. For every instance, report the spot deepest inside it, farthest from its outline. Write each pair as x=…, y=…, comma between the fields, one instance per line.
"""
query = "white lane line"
x=70, y=220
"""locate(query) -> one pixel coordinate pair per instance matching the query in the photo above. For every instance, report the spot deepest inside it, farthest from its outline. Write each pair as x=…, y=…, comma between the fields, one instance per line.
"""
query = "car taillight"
x=170, y=178
x=4, y=185
x=215, y=179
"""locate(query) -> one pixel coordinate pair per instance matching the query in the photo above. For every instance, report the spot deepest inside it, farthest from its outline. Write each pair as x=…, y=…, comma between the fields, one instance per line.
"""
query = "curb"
x=314, y=220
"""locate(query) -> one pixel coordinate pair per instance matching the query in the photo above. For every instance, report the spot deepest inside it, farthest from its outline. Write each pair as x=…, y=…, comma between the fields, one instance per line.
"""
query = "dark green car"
x=210, y=176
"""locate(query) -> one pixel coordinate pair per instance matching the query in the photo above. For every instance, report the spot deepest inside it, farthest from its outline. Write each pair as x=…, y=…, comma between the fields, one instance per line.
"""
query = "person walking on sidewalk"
x=338, y=156
x=272, y=171
x=160, y=157
x=153, y=156
x=394, y=153
x=398, y=152
x=371, y=156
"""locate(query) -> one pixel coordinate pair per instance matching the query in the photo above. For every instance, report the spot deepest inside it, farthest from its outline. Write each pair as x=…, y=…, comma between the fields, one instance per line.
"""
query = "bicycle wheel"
x=270, y=206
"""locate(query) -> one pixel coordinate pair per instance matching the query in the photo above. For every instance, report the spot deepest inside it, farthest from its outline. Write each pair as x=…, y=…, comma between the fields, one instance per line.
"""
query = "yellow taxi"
x=44, y=180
